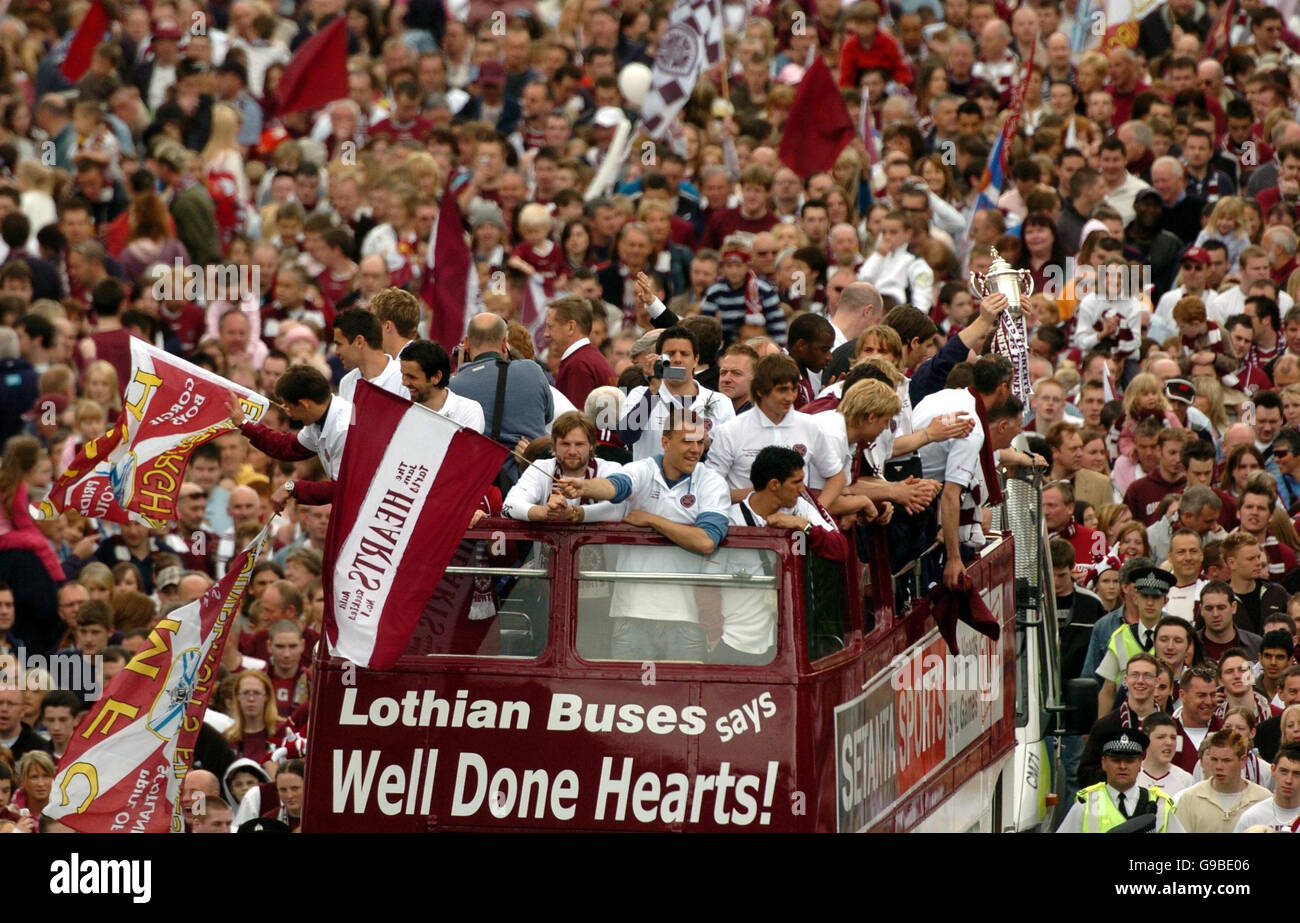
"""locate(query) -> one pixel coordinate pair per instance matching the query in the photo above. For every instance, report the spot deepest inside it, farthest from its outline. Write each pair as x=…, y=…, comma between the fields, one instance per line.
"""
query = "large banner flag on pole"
x=450, y=286
x=318, y=73
x=134, y=471
x=123, y=768
x=824, y=125
x=409, y=484
x=691, y=44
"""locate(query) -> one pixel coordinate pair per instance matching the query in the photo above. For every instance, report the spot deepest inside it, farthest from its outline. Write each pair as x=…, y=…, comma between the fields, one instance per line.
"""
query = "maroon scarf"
x=987, y=463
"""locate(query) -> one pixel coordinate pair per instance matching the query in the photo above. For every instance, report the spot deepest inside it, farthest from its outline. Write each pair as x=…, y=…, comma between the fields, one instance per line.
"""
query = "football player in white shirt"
x=359, y=341
x=774, y=421
x=534, y=497
x=865, y=428
x=426, y=369
x=307, y=399
x=647, y=408
x=778, y=501
x=958, y=462
x=688, y=504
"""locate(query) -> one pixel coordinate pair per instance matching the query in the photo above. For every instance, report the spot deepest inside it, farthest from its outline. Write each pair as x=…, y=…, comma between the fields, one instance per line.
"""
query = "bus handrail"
x=916, y=565
x=499, y=571
x=613, y=576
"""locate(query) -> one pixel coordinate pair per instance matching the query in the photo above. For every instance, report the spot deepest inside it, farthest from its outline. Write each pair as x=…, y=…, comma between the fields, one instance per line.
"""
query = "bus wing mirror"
x=1080, y=706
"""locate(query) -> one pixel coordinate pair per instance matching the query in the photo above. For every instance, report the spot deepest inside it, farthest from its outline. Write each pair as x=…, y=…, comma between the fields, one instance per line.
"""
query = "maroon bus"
x=508, y=713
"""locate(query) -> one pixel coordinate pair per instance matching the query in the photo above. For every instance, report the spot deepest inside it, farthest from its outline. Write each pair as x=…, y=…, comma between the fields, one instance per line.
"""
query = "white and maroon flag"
x=124, y=765
x=532, y=309
x=1121, y=21
x=450, y=286
x=691, y=43
x=133, y=472
x=410, y=482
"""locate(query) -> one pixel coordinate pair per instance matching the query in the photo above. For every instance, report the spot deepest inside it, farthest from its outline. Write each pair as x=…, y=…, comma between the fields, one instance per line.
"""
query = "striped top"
x=728, y=305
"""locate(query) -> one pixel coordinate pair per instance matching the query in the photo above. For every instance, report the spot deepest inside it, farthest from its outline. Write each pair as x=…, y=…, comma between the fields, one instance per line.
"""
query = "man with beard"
x=533, y=498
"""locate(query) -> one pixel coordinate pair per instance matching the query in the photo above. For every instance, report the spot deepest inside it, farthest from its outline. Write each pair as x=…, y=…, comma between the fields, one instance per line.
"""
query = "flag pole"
x=722, y=57
x=518, y=456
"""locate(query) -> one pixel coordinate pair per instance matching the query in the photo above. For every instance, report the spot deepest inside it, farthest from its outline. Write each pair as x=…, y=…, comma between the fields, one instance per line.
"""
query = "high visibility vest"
x=1100, y=813
x=1124, y=646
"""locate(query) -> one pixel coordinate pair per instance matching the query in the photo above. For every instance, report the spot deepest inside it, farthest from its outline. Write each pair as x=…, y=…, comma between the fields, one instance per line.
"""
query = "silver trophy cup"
x=1016, y=284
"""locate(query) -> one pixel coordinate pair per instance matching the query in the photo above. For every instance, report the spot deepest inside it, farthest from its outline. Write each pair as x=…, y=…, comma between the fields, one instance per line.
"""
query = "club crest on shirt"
x=801, y=449
x=688, y=500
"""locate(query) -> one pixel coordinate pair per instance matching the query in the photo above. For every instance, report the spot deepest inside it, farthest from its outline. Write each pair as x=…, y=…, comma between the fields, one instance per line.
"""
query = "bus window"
x=661, y=603
x=489, y=606
x=825, y=612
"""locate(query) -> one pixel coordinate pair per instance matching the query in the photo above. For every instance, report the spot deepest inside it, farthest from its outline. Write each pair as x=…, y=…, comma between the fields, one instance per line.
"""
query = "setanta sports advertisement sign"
x=480, y=751
x=916, y=716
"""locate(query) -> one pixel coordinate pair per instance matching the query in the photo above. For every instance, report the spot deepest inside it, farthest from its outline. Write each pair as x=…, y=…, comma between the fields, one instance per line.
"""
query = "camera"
x=668, y=372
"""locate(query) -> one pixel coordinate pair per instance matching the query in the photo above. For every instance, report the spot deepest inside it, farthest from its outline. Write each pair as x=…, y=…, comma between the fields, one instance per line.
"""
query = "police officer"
x=1151, y=586
x=1101, y=807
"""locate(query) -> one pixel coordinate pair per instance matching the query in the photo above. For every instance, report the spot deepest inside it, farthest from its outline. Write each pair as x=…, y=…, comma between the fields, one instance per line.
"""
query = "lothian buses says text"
x=568, y=712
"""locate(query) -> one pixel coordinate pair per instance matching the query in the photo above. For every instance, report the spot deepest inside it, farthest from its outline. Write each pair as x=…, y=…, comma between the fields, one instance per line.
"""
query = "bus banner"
x=493, y=752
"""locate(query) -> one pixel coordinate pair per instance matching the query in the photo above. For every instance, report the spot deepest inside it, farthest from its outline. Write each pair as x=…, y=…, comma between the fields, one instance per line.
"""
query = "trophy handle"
x=977, y=284
x=1027, y=278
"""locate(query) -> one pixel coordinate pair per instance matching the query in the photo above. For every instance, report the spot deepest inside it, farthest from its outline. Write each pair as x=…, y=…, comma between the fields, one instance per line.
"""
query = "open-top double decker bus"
x=508, y=713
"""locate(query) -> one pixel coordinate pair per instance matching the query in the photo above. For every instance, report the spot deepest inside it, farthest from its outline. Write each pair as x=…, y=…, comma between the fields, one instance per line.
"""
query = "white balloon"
x=634, y=83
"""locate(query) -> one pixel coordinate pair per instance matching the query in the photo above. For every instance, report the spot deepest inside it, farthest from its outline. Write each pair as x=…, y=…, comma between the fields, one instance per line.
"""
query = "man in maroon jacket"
x=752, y=216
x=582, y=366
x=1254, y=508
x=1058, y=512
x=1287, y=189
x=1144, y=495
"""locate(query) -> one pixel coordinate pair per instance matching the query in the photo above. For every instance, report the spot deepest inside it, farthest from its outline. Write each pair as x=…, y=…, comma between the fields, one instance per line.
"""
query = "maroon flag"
x=77, y=61
x=1217, y=41
x=819, y=125
x=450, y=284
x=532, y=309
x=318, y=73
x=409, y=484
x=1012, y=124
